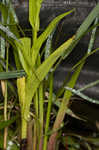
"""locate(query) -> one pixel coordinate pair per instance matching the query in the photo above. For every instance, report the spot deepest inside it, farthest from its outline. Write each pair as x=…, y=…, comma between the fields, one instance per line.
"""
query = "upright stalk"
x=5, y=115
x=36, y=122
x=41, y=111
x=34, y=36
x=4, y=85
x=23, y=144
x=22, y=100
x=5, y=103
x=48, y=111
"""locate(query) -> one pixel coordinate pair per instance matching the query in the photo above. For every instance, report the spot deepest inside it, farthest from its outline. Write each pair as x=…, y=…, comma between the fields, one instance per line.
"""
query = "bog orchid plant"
x=32, y=71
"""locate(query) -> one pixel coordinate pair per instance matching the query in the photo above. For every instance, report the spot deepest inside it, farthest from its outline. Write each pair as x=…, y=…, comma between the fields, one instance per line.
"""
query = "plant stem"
x=48, y=111
x=36, y=126
x=41, y=110
x=5, y=104
x=34, y=36
x=3, y=45
x=24, y=128
x=5, y=116
x=36, y=104
x=29, y=135
x=34, y=137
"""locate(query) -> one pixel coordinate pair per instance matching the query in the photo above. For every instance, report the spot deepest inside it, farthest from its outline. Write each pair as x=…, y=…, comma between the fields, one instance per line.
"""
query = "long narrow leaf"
x=84, y=58
x=12, y=74
x=8, y=33
x=24, y=53
x=88, y=21
x=77, y=92
x=84, y=27
x=34, y=10
x=48, y=63
x=89, y=85
x=46, y=33
x=33, y=81
x=4, y=11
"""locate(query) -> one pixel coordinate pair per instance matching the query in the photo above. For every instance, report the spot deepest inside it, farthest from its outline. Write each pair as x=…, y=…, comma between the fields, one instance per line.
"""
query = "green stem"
x=24, y=128
x=5, y=102
x=41, y=110
x=48, y=111
x=41, y=101
x=36, y=105
x=34, y=37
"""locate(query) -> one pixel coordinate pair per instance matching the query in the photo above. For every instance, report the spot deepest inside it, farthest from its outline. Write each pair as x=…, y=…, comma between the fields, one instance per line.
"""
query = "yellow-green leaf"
x=46, y=33
x=34, y=10
x=34, y=80
x=24, y=51
x=21, y=90
x=4, y=12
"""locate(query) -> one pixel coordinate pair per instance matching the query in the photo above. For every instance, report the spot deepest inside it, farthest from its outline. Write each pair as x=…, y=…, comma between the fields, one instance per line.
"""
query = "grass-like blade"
x=12, y=74
x=24, y=53
x=89, y=85
x=34, y=81
x=34, y=10
x=8, y=32
x=77, y=92
x=84, y=27
x=4, y=11
x=46, y=33
x=88, y=21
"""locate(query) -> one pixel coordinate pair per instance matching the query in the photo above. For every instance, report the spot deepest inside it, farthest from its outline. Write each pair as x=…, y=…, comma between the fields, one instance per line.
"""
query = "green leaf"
x=46, y=33
x=89, y=85
x=72, y=82
x=25, y=53
x=34, y=10
x=48, y=46
x=4, y=11
x=12, y=23
x=84, y=27
x=8, y=32
x=49, y=62
x=12, y=74
x=9, y=18
x=84, y=58
x=21, y=91
x=8, y=13
x=88, y=21
x=83, y=96
x=4, y=124
x=33, y=81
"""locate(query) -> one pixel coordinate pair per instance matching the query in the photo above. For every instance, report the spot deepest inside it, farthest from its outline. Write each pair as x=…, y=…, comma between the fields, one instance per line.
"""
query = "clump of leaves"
x=30, y=82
